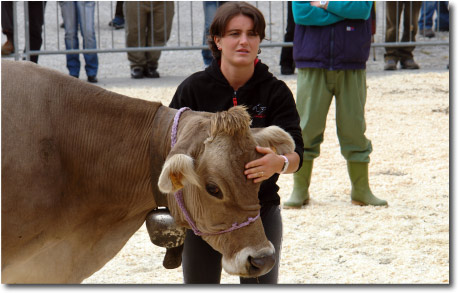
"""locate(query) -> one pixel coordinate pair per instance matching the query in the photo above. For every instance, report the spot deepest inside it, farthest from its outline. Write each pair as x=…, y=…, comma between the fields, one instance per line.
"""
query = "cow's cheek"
x=176, y=212
x=219, y=243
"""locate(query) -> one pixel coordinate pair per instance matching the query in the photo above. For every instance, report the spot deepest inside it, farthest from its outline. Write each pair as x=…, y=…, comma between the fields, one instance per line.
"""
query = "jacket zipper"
x=332, y=49
x=234, y=99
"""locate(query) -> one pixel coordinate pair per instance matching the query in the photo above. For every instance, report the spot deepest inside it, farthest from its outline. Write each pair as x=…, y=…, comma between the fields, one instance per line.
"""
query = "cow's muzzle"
x=250, y=262
x=261, y=265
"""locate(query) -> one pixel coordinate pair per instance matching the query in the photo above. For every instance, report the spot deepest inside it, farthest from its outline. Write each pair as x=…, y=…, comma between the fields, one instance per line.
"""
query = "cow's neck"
x=160, y=147
x=110, y=134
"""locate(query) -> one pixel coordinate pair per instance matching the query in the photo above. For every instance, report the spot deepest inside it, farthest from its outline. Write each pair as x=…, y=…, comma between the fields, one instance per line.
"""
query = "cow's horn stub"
x=235, y=120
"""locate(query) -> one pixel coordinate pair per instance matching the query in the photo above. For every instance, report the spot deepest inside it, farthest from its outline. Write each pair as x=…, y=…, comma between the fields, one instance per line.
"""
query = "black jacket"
x=269, y=102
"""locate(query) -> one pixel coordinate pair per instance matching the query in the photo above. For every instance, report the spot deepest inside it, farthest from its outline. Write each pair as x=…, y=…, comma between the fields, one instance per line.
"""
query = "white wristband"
x=285, y=166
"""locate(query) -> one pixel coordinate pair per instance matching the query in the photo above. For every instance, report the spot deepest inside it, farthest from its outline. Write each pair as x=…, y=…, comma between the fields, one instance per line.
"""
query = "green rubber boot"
x=361, y=193
x=300, y=195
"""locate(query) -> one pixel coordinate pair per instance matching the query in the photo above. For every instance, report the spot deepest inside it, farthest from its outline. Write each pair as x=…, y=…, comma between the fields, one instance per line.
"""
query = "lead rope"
x=179, y=194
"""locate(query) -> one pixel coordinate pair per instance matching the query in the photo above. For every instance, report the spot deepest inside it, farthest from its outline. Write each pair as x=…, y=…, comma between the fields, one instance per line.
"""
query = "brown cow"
x=82, y=167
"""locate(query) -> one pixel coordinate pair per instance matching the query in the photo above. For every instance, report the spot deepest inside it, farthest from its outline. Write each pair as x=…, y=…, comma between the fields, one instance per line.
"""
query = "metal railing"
x=187, y=29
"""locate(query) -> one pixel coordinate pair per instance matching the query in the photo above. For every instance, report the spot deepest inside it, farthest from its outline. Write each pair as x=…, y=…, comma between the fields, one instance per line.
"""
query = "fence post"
x=27, y=31
x=15, y=33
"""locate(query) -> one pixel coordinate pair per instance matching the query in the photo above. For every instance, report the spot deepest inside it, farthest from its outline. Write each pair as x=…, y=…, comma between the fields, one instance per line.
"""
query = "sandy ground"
x=330, y=241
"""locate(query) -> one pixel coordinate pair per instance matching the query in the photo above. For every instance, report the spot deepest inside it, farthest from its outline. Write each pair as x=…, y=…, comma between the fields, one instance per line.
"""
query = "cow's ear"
x=178, y=170
x=275, y=138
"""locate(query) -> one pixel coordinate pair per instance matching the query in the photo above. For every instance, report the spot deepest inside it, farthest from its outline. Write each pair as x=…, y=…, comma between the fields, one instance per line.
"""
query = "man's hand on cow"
x=263, y=168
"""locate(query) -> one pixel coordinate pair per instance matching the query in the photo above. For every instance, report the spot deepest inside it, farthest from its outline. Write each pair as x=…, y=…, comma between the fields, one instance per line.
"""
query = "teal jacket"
x=305, y=14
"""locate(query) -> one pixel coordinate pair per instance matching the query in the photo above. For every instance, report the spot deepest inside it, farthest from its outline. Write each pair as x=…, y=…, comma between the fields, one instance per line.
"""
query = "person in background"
x=8, y=27
x=237, y=77
x=118, y=21
x=328, y=67
x=209, y=11
x=425, y=24
x=80, y=14
x=287, y=66
x=36, y=21
x=148, y=24
x=410, y=11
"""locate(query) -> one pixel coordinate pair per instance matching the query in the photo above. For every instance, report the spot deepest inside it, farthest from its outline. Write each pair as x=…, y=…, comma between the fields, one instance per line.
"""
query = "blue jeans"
x=210, y=8
x=80, y=14
x=427, y=12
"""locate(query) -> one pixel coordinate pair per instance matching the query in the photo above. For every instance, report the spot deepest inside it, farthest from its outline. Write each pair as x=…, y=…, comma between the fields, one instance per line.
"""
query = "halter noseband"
x=179, y=193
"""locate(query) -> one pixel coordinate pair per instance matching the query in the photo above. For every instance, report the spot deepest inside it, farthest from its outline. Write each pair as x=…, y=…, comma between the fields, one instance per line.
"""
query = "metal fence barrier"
x=187, y=29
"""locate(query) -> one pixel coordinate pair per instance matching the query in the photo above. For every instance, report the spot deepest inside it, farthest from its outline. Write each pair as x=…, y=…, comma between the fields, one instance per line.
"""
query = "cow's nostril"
x=262, y=263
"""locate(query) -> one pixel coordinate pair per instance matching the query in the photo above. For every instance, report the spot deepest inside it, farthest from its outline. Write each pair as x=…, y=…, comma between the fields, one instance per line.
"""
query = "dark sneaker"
x=7, y=48
x=427, y=32
x=409, y=64
x=151, y=73
x=117, y=22
x=390, y=65
x=136, y=72
x=92, y=79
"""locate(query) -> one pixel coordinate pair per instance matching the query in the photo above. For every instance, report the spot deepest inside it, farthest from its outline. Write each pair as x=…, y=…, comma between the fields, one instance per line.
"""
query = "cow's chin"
x=250, y=262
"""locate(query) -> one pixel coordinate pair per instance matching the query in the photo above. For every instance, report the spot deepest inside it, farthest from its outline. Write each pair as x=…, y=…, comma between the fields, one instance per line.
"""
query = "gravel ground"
x=330, y=241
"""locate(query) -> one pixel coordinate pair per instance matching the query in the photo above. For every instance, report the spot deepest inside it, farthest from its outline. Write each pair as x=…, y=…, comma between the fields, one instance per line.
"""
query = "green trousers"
x=315, y=89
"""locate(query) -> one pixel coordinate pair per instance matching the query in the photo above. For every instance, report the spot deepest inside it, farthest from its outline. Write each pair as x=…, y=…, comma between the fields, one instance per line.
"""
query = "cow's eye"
x=214, y=190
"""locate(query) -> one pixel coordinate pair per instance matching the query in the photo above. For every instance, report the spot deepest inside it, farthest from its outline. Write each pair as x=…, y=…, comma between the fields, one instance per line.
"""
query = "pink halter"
x=179, y=193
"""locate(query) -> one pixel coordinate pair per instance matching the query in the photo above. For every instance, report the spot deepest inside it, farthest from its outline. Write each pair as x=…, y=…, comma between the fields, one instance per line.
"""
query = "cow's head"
x=207, y=164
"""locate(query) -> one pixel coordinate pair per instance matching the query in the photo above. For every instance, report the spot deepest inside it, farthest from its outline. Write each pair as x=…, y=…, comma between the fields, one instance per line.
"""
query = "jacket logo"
x=259, y=111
